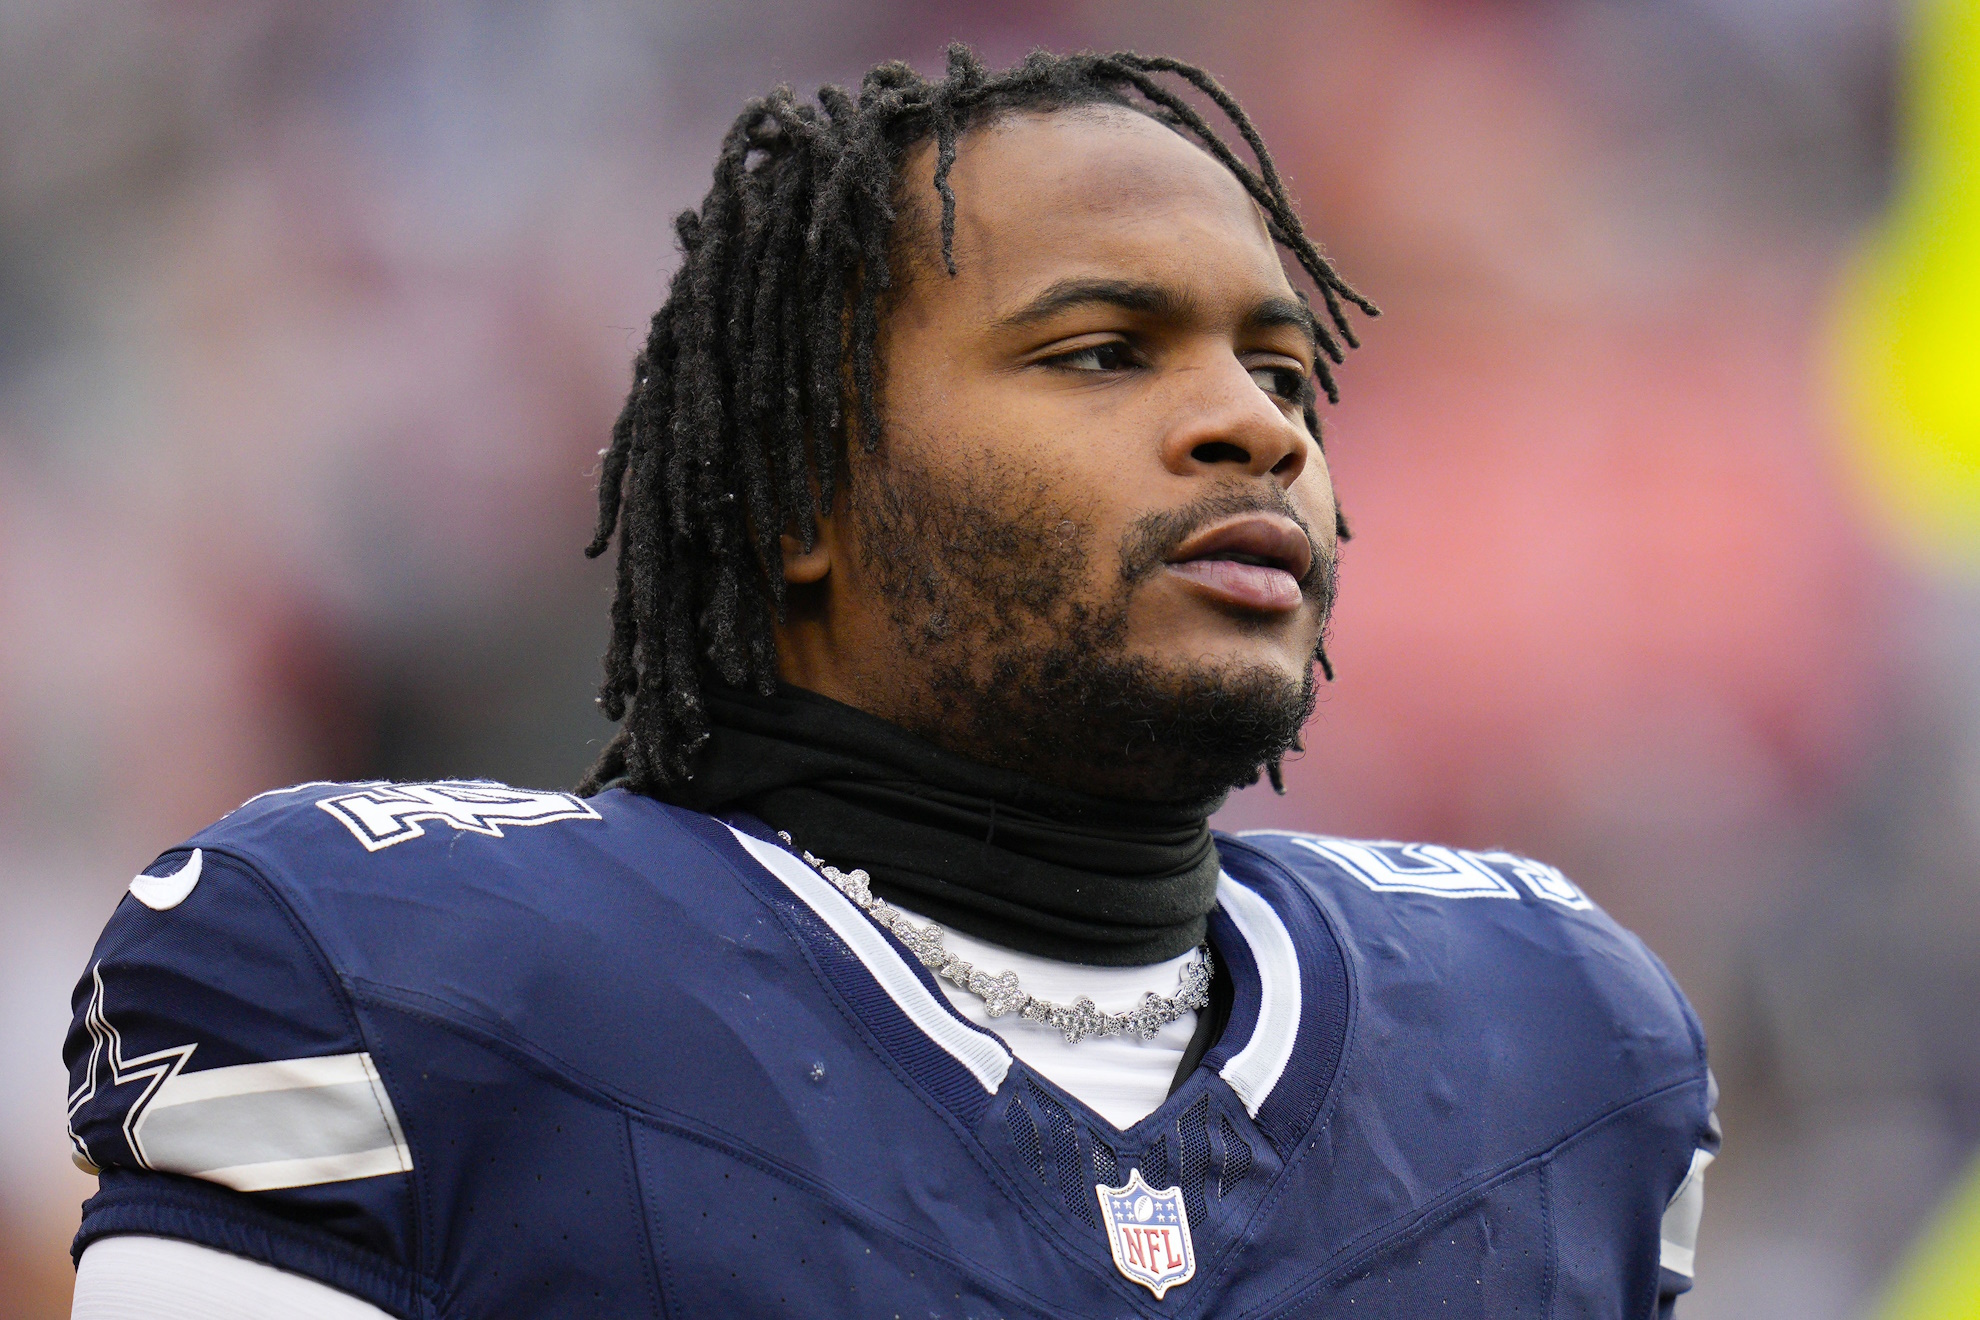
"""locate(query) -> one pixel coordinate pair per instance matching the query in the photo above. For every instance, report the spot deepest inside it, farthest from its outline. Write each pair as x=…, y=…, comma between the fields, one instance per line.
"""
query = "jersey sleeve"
x=221, y=1087
x=1678, y=1235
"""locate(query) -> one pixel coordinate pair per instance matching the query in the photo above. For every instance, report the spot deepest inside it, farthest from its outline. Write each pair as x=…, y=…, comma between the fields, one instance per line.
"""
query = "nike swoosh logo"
x=161, y=892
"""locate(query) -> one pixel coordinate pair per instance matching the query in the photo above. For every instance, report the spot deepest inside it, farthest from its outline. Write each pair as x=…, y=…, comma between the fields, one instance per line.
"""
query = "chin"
x=1241, y=702
x=1136, y=726
x=1215, y=660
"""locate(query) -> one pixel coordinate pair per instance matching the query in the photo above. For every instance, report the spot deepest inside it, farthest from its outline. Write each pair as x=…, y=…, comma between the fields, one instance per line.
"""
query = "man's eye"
x=1112, y=356
x=1287, y=383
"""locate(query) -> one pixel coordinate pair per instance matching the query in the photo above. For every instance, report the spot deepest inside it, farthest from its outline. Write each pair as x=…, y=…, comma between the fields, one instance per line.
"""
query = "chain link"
x=1001, y=994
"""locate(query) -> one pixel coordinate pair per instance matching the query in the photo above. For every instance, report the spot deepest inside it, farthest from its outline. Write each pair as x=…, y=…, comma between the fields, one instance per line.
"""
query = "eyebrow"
x=1159, y=300
x=1276, y=312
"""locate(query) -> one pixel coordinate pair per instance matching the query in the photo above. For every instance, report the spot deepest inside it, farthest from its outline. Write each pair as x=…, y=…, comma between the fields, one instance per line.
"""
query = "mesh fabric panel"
x=1073, y=1189
x=1193, y=1147
x=1105, y=1167
x=1024, y=1134
x=1155, y=1164
x=1237, y=1157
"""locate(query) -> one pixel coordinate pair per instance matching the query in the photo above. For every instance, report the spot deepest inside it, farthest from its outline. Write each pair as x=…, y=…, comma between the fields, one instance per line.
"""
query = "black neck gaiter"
x=989, y=852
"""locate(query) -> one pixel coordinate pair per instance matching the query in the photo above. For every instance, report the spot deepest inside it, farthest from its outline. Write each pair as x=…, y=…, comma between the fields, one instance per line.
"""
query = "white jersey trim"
x=1679, y=1247
x=256, y=1127
x=1251, y=1073
x=1254, y=1070
x=985, y=1056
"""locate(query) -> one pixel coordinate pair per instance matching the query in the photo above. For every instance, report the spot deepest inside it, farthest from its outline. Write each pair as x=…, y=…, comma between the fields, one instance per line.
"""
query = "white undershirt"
x=1121, y=1078
x=154, y=1278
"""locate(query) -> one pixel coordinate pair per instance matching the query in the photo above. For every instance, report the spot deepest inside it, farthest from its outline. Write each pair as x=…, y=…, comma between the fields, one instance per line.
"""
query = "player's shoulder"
x=381, y=817
x=379, y=875
x=1386, y=868
x=258, y=936
x=382, y=834
x=1479, y=922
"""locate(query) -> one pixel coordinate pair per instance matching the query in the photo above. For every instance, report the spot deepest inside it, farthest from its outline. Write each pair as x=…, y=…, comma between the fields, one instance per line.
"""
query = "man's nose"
x=1225, y=421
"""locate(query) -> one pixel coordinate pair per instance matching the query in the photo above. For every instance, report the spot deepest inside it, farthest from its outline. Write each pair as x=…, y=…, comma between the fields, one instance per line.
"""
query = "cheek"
x=1040, y=461
x=1313, y=497
x=1078, y=443
x=944, y=416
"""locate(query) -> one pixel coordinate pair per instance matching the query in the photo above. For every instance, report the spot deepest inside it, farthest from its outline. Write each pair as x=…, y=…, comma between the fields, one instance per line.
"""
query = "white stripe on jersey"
x=255, y=1127
x=1254, y=1070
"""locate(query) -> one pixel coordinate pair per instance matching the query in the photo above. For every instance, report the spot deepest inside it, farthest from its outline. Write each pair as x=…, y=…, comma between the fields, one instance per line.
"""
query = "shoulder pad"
x=1514, y=933
x=211, y=1039
x=380, y=814
x=1384, y=866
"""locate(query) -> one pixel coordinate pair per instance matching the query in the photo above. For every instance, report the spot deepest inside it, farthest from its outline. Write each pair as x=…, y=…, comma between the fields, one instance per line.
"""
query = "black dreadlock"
x=731, y=432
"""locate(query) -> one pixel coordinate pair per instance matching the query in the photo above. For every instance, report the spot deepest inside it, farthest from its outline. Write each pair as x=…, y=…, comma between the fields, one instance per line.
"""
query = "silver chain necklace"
x=1000, y=994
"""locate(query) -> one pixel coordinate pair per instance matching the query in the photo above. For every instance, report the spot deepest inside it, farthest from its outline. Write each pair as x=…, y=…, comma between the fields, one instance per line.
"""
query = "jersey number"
x=1430, y=868
x=381, y=815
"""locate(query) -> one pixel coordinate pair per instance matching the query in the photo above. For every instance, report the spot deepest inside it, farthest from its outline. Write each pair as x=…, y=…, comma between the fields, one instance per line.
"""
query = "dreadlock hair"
x=761, y=362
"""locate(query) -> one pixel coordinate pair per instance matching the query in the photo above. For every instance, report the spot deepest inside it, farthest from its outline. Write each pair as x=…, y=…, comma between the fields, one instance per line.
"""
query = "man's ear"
x=802, y=566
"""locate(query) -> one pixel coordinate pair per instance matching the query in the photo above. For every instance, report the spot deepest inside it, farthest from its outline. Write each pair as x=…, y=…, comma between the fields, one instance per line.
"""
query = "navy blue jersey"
x=466, y=1050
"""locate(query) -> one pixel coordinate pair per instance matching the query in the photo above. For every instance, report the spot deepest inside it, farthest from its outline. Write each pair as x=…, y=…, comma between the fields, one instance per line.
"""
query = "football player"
x=974, y=540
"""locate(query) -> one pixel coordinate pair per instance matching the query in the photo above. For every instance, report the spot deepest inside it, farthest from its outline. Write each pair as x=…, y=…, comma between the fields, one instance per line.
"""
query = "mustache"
x=1153, y=537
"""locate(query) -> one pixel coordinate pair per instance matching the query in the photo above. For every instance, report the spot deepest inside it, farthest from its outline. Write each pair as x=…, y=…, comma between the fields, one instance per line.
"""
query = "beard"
x=1016, y=663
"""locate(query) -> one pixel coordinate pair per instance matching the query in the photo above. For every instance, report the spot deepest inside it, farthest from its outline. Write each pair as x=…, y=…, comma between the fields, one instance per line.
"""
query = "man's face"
x=1096, y=540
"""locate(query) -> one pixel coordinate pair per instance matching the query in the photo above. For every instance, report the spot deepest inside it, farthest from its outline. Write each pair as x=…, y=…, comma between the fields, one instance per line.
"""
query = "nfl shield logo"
x=1149, y=1233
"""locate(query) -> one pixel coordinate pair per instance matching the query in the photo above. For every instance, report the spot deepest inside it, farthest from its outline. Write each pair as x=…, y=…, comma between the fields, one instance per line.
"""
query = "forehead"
x=1100, y=191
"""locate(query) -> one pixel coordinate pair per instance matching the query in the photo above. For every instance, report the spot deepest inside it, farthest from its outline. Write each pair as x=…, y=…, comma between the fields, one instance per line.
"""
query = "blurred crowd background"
x=1663, y=464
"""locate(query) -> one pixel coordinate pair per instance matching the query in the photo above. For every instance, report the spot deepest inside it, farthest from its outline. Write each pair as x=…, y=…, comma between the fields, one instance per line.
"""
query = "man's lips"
x=1256, y=561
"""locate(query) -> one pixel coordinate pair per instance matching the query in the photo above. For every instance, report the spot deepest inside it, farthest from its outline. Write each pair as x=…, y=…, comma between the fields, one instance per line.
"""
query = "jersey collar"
x=1277, y=1054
